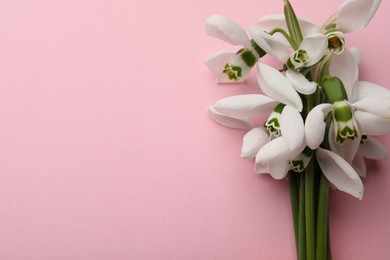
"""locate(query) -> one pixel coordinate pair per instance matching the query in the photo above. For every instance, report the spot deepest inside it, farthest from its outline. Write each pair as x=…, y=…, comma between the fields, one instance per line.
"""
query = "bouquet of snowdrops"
x=322, y=119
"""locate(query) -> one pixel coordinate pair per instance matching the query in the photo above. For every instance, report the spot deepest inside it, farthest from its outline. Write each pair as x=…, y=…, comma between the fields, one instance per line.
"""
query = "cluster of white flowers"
x=318, y=107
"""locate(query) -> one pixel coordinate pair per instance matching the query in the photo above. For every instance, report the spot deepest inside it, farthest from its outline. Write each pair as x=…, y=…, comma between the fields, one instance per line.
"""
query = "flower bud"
x=334, y=89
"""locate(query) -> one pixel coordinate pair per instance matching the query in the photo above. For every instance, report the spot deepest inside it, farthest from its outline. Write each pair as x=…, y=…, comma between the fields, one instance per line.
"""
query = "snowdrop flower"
x=227, y=66
x=359, y=109
x=279, y=155
x=284, y=127
x=352, y=16
x=310, y=51
x=353, y=102
x=346, y=119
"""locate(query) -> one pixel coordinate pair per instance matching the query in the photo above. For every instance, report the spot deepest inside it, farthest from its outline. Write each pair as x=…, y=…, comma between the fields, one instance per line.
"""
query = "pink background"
x=106, y=151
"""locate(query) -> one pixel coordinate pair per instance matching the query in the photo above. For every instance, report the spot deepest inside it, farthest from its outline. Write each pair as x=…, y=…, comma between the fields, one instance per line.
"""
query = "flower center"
x=240, y=64
x=233, y=72
x=336, y=41
x=297, y=59
x=301, y=56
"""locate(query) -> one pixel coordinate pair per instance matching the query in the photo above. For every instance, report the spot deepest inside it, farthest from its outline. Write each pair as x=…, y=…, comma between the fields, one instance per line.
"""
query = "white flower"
x=236, y=111
x=275, y=156
x=345, y=66
x=352, y=16
x=367, y=106
x=227, y=66
x=309, y=52
x=366, y=110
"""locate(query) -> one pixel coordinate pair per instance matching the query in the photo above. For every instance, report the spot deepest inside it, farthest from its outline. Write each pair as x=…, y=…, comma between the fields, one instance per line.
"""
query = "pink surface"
x=106, y=151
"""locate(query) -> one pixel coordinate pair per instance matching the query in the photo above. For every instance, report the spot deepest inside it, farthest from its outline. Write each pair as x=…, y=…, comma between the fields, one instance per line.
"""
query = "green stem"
x=322, y=220
x=294, y=195
x=328, y=251
x=310, y=210
x=285, y=34
x=302, y=232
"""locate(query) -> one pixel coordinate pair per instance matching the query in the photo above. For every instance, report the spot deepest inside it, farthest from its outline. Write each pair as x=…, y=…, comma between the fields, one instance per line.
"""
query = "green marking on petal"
x=300, y=163
x=273, y=122
x=342, y=113
x=344, y=122
x=240, y=64
x=273, y=126
x=297, y=166
x=233, y=72
x=347, y=132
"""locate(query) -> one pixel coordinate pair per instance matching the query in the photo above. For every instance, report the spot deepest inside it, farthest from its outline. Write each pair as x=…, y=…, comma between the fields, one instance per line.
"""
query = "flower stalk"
x=320, y=116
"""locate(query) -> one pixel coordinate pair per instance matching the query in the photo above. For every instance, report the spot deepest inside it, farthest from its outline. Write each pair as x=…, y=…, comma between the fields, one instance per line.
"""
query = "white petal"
x=267, y=23
x=359, y=165
x=274, y=151
x=276, y=85
x=354, y=15
x=315, y=125
x=315, y=45
x=261, y=168
x=223, y=28
x=253, y=141
x=371, y=124
x=278, y=170
x=347, y=150
x=379, y=106
x=300, y=83
x=245, y=105
x=363, y=89
x=357, y=54
x=340, y=173
x=241, y=123
x=344, y=67
x=292, y=127
x=270, y=44
x=216, y=63
x=373, y=149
